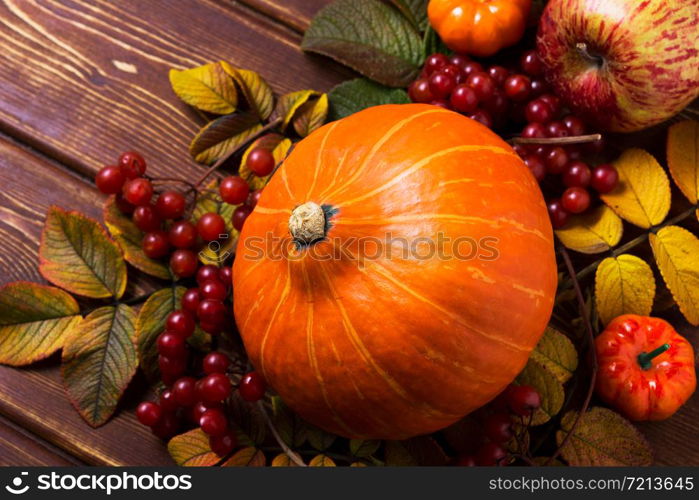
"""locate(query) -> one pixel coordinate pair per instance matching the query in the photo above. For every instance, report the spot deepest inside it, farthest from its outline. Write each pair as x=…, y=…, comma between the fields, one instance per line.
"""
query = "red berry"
x=168, y=426
x=441, y=103
x=536, y=166
x=213, y=422
x=538, y=111
x=214, y=290
x=155, y=244
x=463, y=99
x=575, y=200
x=453, y=70
x=184, y=263
x=538, y=87
x=482, y=84
x=167, y=401
x=491, y=454
x=254, y=198
x=171, y=345
x=215, y=387
x=252, y=387
x=556, y=128
x=459, y=60
x=190, y=300
x=211, y=328
x=185, y=392
x=574, y=125
x=216, y=362
x=557, y=214
x=497, y=105
x=522, y=399
x=483, y=117
x=211, y=312
x=465, y=461
x=605, y=178
x=498, y=428
x=595, y=147
x=207, y=273
x=132, y=164
x=182, y=234
x=534, y=131
x=181, y=323
x=170, y=205
x=441, y=85
x=234, y=190
x=124, y=206
x=556, y=160
x=240, y=216
x=196, y=411
x=553, y=101
x=138, y=191
x=148, y=413
x=261, y=162
x=173, y=367
x=222, y=445
x=531, y=64
x=225, y=275
x=110, y=179
x=499, y=74
x=146, y=219
x=472, y=67
x=517, y=87
x=577, y=174
x=435, y=62
x=211, y=226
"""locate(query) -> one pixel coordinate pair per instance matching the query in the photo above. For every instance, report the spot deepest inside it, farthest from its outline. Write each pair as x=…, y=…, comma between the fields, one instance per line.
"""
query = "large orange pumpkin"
x=380, y=340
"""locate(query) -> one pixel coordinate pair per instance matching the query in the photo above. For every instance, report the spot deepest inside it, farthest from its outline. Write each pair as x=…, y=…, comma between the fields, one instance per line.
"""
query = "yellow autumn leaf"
x=624, y=285
x=257, y=92
x=283, y=460
x=321, y=461
x=289, y=103
x=276, y=143
x=643, y=195
x=311, y=116
x=683, y=157
x=676, y=252
x=594, y=232
x=206, y=87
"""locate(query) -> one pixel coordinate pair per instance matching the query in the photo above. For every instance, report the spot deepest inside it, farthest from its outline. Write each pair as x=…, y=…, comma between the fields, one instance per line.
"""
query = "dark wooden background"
x=82, y=81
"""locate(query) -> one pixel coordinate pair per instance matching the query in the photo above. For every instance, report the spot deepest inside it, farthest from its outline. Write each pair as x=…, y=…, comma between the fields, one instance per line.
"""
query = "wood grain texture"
x=296, y=14
x=86, y=79
x=18, y=447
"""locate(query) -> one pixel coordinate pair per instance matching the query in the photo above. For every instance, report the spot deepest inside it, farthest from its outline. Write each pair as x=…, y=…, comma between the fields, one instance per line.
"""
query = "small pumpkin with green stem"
x=646, y=369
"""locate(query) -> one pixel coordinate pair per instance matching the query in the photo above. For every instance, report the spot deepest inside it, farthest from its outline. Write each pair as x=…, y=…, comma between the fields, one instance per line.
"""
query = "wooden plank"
x=85, y=80
x=33, y=396
x=296, y=14
x=20, y=448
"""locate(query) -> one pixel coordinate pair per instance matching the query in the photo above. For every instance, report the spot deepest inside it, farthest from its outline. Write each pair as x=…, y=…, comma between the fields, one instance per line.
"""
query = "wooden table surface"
x=82, y=81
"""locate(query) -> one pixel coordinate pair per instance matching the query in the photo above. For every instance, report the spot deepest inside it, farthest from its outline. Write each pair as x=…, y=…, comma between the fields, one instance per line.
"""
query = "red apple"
x=623, y=65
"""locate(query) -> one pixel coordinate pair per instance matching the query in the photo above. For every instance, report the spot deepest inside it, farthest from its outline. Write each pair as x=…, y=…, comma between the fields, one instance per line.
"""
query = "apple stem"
x=575, y=139
x=645, y=358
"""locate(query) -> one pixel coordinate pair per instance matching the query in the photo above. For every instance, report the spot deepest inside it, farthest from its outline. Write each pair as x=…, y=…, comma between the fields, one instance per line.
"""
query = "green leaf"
x=547, y=385
x=368, y=36
x=319, y=439
x=192, y=449
x=290, y=427
x=414, y=11
x=206, y=87
x=362, y=448
x=35, y=321
x=602, y=438
x=289, y=103
x=358, y=94
x=151, y=323
x=557, y=354
x=129, y=238
x=247, y=457
x=222, y=135
x=99, y=360
x=257, y=92
x=311, y=116
x=77, y=255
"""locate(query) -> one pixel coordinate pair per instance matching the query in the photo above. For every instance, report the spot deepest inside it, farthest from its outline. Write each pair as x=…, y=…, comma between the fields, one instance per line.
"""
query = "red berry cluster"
x=518, y=401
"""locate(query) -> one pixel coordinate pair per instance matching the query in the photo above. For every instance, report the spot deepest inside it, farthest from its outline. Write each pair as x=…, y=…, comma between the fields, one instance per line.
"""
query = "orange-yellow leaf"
x=643, y=195
x=257, y=92
x=358, y=464
x=321, y=461
x=35, y=321
x=222, y=135
x=683, y=157
x=557, y=353
x=288, y=104
x=247, y=457
x=277, y=144
x=594, y=232
x=99, y=360
x=192, y=449
x=676, y=252
x=129, y=238
x=283, y=460
x=206, y=87
x=76, y=254
x=624, y=285
x=311, y=115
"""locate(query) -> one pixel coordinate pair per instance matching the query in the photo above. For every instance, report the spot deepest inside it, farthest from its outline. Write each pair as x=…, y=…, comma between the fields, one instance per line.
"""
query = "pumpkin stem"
x=644, y=359
x=308, y=224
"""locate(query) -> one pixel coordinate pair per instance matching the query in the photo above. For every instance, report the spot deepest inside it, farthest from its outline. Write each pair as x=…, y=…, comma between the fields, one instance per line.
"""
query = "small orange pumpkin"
x=374, y=339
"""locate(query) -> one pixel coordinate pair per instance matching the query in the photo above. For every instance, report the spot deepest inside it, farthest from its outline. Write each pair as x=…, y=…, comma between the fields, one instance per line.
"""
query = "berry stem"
x=645, y=358
x=575, y=139
x=274, y=123
x=289, y=452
